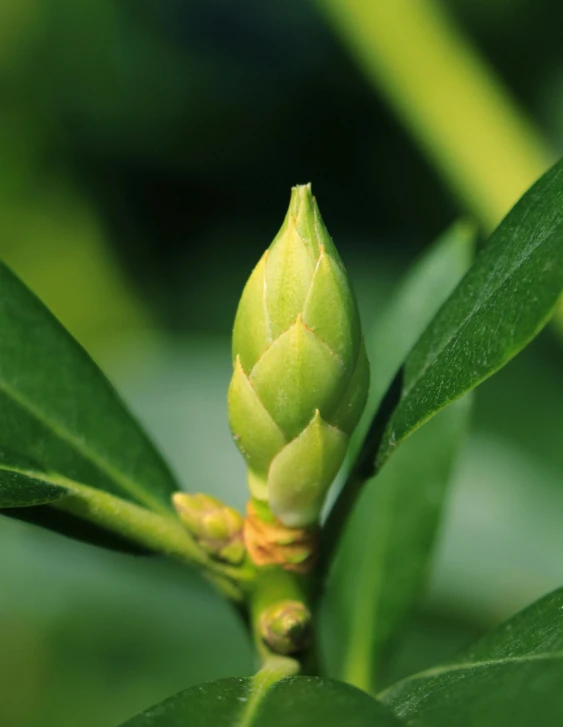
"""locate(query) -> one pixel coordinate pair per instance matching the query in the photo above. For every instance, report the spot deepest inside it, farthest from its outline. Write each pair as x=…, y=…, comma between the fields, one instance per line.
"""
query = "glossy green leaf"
x=502, y=303
x=389, y=536
x=512, y=676
x=57, y=408
x=291, y=702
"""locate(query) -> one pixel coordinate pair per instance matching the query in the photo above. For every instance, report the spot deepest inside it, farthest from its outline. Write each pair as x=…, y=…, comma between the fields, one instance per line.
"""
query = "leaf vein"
x=122, y=480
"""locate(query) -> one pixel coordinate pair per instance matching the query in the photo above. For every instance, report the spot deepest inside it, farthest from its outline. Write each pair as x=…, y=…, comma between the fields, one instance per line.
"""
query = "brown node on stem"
x=272, y=543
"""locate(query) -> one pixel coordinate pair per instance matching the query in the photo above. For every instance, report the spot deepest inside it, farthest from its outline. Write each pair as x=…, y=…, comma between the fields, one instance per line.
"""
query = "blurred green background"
x=146, y=155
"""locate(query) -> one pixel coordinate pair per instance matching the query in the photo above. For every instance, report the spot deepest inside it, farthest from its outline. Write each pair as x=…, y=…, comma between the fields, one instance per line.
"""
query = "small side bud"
x=285, y=627
x=216, y=527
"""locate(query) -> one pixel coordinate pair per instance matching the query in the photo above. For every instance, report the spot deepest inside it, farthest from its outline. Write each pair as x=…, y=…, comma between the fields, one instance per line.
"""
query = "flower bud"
x=216, y=527
x=286, y=626
x=301, y=374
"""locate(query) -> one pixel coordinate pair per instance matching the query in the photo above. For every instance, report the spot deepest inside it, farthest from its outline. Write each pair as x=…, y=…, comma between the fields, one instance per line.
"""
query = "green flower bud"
x=286, y=626
x=301, y=374
x=216, y=527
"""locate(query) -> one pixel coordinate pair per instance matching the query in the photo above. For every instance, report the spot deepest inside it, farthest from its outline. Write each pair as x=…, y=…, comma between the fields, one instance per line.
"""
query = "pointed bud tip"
x=301, y=194
x=302, y=215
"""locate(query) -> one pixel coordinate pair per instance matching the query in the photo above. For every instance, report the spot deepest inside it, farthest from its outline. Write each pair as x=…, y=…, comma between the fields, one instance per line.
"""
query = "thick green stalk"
x=447, y=96
x=162, y=534
x=273, y=585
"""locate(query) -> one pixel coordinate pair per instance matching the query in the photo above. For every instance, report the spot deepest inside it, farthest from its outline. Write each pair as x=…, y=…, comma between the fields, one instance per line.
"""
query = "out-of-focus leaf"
x=463, y=119
x=52, y=238
x=291, y=702
x=389, y=543
x=502, y=303
x=512, y=676
x=389, y=537
x=425, y=287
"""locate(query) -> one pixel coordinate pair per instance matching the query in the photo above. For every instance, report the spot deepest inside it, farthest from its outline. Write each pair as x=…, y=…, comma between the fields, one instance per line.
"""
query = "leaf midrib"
x=469, y=665
x=127, y=484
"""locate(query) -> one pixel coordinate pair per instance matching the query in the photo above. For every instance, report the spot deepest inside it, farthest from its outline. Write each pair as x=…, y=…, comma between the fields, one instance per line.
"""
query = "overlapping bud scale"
x=301, y=374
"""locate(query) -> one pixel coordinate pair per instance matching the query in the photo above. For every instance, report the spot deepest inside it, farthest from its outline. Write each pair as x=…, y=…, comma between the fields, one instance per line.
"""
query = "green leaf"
x=86, y=513
x=291, y=702
x=512, y=676
x=502, y=303
x=19, y=488
x=388, y=539
x=57, y=408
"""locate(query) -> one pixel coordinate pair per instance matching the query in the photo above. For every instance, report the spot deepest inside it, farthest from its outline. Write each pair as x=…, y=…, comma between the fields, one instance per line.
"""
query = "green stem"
x=273, y=670
x=272, y=586
x=160, y=533
x=447, y=96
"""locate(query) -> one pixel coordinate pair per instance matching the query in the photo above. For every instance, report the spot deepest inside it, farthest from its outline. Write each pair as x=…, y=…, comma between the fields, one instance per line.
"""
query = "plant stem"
x=160, y=533
x=447, y=96
x=273, y=586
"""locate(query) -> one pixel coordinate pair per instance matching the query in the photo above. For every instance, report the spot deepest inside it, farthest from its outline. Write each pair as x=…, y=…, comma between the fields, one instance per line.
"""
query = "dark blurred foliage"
x=146, y=155
x=186, y=122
